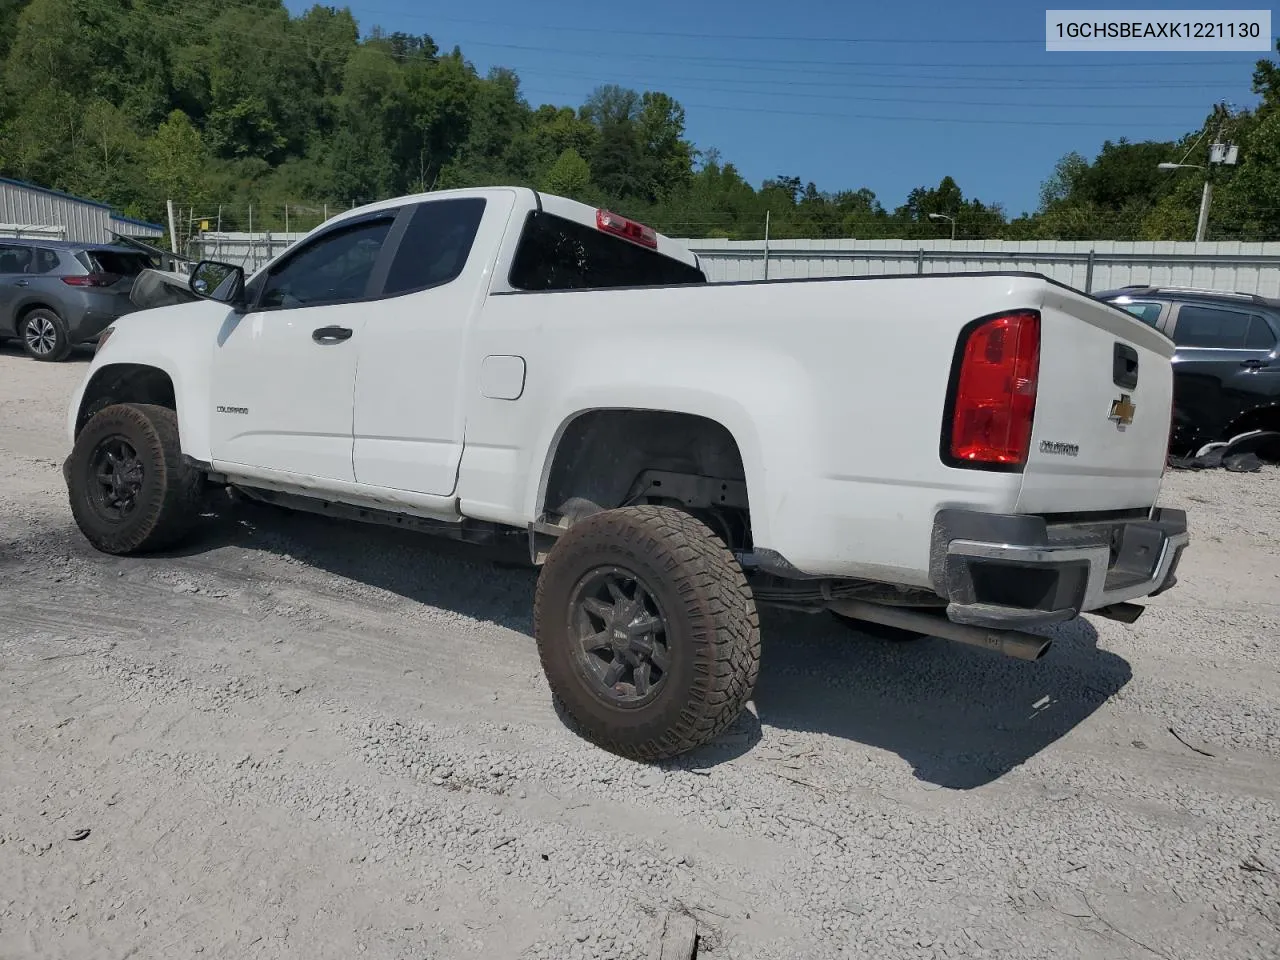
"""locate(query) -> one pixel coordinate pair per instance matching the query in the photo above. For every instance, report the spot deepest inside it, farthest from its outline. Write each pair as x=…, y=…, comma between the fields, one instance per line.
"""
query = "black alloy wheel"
x=118, y=474
x=621, y=636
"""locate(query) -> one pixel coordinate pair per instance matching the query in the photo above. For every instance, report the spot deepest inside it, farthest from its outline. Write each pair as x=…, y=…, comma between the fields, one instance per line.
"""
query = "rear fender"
x=766, y=408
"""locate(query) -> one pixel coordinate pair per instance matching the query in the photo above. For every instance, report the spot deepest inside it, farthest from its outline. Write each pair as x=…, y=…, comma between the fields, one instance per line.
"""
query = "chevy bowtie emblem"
x=1122, y=410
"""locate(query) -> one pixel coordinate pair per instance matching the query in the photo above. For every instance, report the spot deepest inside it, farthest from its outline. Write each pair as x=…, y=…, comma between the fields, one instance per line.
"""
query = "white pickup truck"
x=963, y=455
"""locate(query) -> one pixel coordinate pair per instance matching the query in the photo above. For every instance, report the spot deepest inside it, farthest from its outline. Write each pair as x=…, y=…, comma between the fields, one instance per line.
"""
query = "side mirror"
x=224, y=282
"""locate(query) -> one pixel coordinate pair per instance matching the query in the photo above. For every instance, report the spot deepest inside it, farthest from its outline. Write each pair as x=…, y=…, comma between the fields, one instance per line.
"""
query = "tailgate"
x=1101, y=429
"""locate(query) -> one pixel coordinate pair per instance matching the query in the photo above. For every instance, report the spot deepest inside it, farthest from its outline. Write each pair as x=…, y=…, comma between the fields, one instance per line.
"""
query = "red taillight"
x=995, y=399
x=627, y=229
x=91, y=280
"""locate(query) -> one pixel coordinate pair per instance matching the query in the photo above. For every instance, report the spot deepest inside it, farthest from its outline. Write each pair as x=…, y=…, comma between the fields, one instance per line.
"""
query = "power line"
x=690, y=82
x=855, y=74
x=897, y=118
x=340, y=55
x=686, y=35
x=613, y=54
x=186, y=17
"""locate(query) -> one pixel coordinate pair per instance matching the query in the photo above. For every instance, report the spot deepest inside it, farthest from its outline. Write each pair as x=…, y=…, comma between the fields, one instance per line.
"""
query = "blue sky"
x=808, y=88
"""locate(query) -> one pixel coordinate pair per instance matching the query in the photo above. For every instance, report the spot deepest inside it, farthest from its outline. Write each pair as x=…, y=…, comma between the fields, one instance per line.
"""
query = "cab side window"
x=1260, y=335
x=436, y=244
x=333, y=268
x=1212, y=327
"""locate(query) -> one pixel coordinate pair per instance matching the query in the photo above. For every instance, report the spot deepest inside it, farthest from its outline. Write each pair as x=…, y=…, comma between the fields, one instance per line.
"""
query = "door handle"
x=1124, y=366
x=21, y=283
x=331, y=334
x=1253, y=364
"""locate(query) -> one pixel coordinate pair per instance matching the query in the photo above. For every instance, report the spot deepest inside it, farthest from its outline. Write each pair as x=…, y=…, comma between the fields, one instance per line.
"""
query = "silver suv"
x=54, y=294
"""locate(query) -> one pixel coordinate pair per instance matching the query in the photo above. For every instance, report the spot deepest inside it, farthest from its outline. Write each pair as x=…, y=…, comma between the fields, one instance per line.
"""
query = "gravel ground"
x=300, y=738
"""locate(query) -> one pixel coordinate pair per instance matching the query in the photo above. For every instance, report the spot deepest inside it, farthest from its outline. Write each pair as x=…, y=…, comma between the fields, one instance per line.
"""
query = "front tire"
x=647, y=631
x=44, y=336
x=130, y=489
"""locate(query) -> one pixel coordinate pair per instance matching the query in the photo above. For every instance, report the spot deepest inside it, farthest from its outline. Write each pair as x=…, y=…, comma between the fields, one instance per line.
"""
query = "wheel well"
x=125, y=383
x=29, y=309
x=611, y=458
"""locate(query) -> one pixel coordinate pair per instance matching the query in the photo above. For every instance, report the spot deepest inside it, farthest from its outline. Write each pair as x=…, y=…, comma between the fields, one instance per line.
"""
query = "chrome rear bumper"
x=1019, y=571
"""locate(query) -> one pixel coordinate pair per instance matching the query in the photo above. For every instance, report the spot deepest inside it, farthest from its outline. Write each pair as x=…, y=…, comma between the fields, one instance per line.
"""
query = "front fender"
x=176, y=340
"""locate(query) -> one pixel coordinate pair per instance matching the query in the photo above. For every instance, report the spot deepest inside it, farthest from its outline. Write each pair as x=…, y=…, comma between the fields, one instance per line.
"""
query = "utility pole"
x=766, y=244
x=1221, y=153
x=1206, y=197
x=173, y=229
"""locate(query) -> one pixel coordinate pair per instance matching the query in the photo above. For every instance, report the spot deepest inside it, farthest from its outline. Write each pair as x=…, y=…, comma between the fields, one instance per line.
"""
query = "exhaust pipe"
x=1012, y=643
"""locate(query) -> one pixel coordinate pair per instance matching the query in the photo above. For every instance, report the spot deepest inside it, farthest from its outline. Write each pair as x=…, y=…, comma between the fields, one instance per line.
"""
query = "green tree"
x=1064, y=180
x=668, y=156
x=136, y=101
x=9, y=12
x=569, y=177
x=175, y=159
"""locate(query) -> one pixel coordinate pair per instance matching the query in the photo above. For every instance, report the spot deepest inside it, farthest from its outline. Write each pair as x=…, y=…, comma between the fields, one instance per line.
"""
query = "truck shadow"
x=960, y=716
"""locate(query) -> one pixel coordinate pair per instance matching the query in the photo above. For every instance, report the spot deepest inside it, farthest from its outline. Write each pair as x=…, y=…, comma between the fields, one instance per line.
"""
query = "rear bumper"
x=1011, y=571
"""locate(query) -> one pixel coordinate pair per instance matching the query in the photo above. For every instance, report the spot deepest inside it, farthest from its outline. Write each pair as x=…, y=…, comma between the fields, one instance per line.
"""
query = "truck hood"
x=164, y=330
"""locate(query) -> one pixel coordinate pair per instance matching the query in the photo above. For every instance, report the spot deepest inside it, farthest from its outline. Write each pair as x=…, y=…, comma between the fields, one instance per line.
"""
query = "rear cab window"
x=559, y=254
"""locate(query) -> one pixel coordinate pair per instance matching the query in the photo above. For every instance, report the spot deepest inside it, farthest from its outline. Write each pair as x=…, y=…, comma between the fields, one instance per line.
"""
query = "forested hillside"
x=234, y=102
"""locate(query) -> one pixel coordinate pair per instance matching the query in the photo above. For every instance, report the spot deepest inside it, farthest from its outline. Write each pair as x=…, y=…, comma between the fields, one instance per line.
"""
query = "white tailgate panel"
x=1080, y=459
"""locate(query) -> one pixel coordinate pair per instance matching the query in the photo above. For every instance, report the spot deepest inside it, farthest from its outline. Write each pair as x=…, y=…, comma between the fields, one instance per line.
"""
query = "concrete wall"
x=1085, y=265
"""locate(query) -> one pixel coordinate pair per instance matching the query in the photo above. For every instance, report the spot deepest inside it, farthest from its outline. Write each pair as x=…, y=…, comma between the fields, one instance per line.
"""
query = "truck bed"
x=835, y=391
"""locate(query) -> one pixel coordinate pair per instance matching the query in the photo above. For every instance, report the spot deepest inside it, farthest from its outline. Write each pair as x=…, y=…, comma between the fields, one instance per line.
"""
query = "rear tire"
x=880, y=631
x=647, y=631
x=44, y=336
x=130, y=489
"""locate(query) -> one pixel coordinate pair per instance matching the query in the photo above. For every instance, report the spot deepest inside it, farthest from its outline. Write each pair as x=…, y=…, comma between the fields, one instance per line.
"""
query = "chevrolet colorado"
x=963, y=456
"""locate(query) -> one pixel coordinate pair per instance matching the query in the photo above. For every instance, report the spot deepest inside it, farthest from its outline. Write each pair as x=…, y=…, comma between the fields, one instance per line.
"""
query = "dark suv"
x=55, y=294
x=1226, y=375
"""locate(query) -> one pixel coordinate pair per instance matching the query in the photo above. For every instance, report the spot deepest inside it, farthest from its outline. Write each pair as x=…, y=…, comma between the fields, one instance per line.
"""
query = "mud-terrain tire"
x=44, y=336
x=880, y=631
x=673, y=623
x=130, y=489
